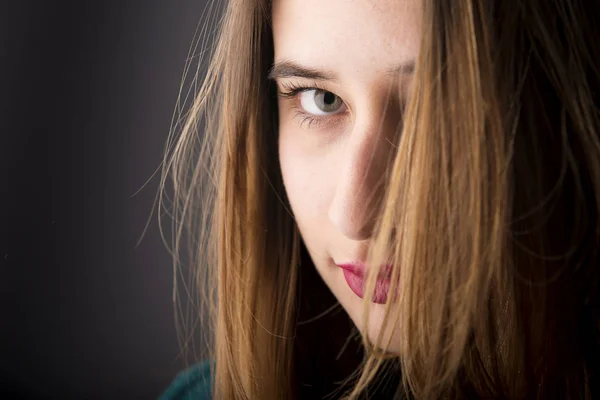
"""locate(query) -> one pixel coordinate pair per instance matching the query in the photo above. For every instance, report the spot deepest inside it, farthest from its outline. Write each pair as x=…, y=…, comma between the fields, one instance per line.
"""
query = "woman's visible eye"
x=320, y=102
x=312, y=105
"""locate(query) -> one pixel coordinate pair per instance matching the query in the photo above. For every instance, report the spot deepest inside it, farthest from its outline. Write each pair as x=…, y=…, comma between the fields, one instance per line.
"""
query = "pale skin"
x=334, y=140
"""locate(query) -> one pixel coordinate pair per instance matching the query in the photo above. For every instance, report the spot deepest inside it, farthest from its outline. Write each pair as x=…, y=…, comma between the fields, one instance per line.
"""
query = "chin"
x=390, y=341
x=374, y=327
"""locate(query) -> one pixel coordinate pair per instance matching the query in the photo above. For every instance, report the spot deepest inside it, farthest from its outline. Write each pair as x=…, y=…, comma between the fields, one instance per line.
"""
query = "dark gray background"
x=87, y=91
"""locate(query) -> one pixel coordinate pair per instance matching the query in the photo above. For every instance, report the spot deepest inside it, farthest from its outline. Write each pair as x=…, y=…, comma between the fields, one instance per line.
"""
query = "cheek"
x=305, y=177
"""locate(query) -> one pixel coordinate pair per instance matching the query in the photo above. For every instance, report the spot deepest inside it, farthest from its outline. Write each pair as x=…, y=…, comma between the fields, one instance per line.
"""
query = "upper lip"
x=361, y=269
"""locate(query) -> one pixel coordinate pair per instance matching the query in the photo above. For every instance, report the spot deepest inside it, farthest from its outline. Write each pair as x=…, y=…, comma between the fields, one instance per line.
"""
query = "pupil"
x=329, y=98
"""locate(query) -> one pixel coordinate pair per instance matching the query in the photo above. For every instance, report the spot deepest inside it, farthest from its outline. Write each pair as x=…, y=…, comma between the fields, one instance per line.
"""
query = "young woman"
x=403, y=199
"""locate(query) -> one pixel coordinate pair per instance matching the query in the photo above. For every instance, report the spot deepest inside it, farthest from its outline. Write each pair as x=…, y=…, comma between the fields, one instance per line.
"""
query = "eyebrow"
x=290, y=69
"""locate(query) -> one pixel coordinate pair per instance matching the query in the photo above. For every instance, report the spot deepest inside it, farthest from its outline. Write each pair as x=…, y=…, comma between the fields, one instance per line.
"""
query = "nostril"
x=364, y=233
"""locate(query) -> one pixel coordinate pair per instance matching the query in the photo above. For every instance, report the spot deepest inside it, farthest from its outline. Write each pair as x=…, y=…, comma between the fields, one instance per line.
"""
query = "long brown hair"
x=491, y=208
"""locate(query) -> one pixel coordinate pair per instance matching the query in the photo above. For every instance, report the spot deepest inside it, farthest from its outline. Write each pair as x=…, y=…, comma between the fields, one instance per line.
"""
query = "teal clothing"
x=195, y=383
x=191, y=384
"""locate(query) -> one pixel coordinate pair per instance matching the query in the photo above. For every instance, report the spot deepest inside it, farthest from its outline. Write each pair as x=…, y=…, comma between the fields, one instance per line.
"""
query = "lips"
x=356, y=279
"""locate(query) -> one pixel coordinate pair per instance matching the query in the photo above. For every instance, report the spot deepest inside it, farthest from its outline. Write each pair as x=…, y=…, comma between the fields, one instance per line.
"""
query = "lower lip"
x=357, y=285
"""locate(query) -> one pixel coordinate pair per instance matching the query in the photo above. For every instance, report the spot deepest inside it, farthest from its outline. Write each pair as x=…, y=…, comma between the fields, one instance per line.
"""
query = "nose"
x=362, y=177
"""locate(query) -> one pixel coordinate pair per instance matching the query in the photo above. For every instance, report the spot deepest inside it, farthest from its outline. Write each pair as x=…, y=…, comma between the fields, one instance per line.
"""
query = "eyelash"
x=291, y=90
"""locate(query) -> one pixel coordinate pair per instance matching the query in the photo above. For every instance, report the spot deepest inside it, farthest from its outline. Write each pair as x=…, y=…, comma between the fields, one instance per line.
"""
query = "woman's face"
x=355, y=59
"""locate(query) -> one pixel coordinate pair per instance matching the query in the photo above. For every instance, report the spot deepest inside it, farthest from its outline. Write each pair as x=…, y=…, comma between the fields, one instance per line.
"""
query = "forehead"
x=346, y=36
